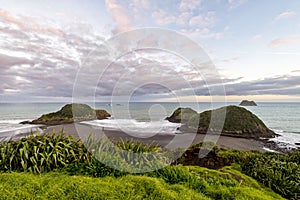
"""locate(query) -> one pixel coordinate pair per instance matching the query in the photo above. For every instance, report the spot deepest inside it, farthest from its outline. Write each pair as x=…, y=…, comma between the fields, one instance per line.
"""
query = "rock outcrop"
x=70, y=113
x=239, y=122
x=248, y=103
x=181, y=115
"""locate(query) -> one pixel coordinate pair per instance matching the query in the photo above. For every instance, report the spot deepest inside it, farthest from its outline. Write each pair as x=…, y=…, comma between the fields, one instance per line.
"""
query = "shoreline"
x=169, y=140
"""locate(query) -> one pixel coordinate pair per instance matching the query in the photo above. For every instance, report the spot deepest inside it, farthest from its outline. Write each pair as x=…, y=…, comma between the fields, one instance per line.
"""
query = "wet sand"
x=171, y=141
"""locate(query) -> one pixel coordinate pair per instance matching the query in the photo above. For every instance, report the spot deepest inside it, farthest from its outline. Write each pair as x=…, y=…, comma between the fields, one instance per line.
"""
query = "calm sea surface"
x=283, y=118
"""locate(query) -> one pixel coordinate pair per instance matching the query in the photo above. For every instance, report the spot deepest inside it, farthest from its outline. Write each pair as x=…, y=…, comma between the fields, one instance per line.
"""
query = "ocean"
x=148, y=118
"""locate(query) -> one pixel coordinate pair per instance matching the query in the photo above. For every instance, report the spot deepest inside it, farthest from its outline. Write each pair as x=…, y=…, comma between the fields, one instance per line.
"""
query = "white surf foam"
x=286, y=139
x=21, y=129
x=131, y=126
x=13, y=121
x=14, y=125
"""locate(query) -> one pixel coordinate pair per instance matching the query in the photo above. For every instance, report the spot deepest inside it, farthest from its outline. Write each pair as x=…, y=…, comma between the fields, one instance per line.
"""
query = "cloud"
x=162, y=17
x=279, y=85
x=184, y=18
x=202, y=33
x=184, y=15
x=189, y=18
x=44, y=66
x=291, y=39
x=40, y=60
x=189, y=5
x=119, y=15
x=232, y=4
x=140, y=4
x=231, y=59
x=257, y=37
x=285, y=15
x=203, y=20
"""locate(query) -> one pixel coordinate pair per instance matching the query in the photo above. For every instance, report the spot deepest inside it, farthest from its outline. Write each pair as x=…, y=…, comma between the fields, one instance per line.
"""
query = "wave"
x=129, y=126
x=21, y=129
x=286, y=138
x=285, y=131
x=13, y=121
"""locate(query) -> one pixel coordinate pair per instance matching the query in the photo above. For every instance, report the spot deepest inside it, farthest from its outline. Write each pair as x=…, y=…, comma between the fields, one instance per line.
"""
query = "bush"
x=41, y=153
x=44, y=153
x=280, y=172
x=281, y=176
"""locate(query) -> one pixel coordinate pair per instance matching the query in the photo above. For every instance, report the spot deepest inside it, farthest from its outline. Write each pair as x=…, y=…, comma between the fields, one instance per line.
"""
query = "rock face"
x=71, y=113
x=248, y=103
x=239, y=122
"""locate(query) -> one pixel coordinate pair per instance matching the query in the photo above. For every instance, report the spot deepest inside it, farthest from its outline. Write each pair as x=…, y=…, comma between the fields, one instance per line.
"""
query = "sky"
x=53, y=51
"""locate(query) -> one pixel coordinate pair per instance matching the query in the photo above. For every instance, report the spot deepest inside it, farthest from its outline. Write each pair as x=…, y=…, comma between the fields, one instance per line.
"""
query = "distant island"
x=239, y=122
x=70, y=113
x=247, y=103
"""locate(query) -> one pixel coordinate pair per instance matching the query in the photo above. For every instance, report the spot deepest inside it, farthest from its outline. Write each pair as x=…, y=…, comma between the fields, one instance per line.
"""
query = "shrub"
x=41, y=153
x=281, y=176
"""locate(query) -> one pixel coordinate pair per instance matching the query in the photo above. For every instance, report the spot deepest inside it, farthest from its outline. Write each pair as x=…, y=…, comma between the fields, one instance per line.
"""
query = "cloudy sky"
x=48, y=48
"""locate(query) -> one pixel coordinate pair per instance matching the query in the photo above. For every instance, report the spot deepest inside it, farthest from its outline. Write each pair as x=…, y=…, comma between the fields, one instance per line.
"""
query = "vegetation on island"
x=70, y=113
x=247, y=103
x=58, y=167
x=238, y=122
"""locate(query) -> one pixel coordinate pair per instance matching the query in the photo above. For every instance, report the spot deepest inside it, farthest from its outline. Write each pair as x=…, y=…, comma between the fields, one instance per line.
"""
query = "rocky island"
x=247, y=103
x=239, y=122
x=70, y=113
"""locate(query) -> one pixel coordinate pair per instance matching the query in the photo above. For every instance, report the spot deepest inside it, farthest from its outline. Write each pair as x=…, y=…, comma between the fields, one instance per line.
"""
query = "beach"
x=82, y=131
x=285, y=124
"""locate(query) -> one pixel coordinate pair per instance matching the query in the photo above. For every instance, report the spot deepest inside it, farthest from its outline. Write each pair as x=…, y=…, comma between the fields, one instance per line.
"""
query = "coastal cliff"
x=70, y=113
x=239, y=122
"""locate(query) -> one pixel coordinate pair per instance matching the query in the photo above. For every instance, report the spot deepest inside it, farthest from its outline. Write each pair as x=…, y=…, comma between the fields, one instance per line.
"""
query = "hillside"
x=239, y=122
x=70, y=113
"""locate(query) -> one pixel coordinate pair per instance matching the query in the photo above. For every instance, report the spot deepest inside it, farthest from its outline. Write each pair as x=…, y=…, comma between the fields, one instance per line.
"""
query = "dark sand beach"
x=171, y=141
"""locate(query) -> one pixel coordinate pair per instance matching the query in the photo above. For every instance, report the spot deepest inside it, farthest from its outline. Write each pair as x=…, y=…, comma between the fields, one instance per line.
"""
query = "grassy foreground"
x=200, y=183
x=58, y=167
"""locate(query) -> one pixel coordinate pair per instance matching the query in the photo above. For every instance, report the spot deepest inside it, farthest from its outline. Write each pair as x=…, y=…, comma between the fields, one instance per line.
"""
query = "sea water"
x=147, y=119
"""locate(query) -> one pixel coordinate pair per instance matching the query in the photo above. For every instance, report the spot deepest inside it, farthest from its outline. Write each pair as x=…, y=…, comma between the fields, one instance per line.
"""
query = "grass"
x=60, y=186
x=176, y=182
x=58, y=167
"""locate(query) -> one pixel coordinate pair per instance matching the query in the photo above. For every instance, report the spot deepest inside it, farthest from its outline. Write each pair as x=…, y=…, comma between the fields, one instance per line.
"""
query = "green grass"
x=226, y=183
x=182, y=183
x=56, y=166
x=59, y=186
